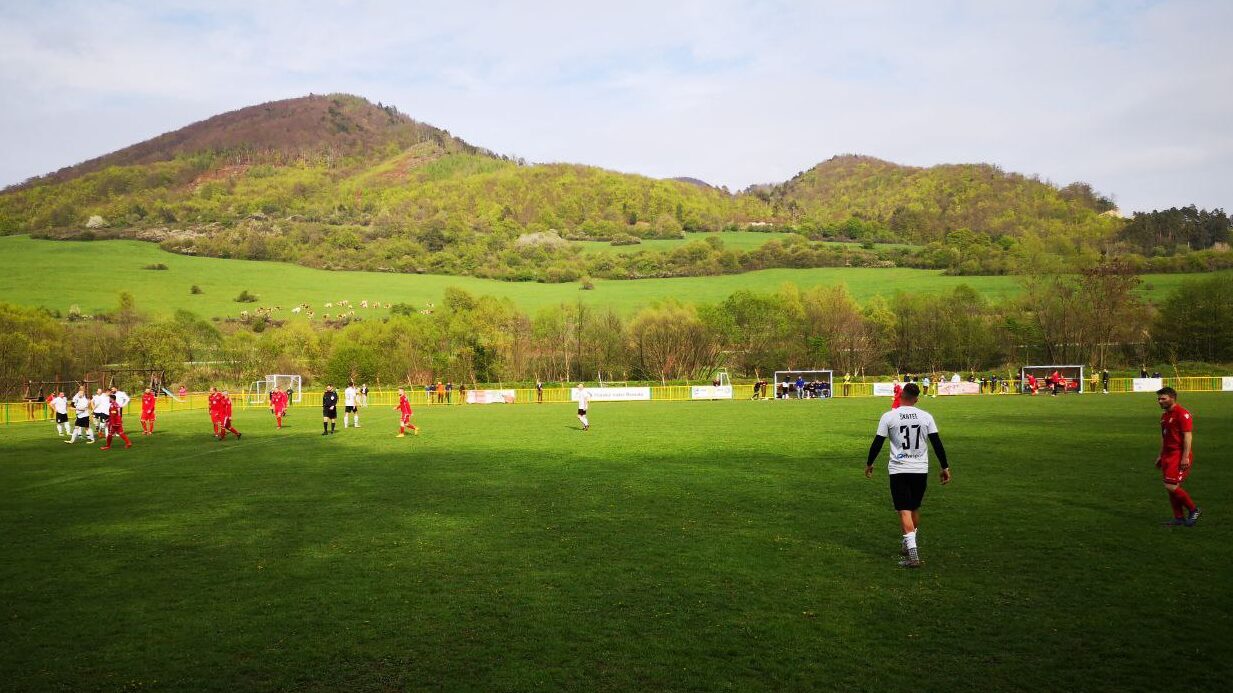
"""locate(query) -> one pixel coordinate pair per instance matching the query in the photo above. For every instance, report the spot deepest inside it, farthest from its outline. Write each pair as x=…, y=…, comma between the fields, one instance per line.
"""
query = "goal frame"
x=829, y=379
x=259, y=391
x=1066, y=370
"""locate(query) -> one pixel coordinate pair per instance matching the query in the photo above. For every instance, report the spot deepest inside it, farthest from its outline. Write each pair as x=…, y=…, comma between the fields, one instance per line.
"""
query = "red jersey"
x=147, y=404
x=214, y=399
x=1174, y=423
x=278, y=399
x=114, y=420
x=404, y=405
x=224, y=407
x=898, y=393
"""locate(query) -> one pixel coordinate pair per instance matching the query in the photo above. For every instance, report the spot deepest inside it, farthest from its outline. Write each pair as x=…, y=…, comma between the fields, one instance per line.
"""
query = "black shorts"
x=582, y=412
x=352, y=409
x=330, y=413
x=61, y=418
x=908, y=490
x=102, y=417
x=82, y=422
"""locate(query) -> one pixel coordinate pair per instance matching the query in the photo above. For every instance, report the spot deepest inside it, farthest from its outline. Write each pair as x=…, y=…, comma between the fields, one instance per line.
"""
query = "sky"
x=1133, y=96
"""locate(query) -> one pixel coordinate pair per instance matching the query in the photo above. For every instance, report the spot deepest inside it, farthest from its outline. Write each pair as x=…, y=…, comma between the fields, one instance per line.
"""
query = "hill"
x=337, y=182
x=862, y=195
x=299, y=129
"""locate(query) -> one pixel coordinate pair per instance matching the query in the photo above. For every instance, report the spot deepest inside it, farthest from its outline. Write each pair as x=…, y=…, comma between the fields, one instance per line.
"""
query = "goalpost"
x=259, y=391
x=1072, y=377
x=818, y=384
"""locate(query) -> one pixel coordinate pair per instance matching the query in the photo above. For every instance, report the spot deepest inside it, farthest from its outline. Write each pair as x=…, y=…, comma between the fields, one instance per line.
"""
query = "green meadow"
x=736, y=240
x=676, y=546
x=92, y=274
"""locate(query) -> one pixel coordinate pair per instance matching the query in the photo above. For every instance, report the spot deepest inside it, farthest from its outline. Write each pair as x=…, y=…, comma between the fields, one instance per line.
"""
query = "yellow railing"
x=38, y=412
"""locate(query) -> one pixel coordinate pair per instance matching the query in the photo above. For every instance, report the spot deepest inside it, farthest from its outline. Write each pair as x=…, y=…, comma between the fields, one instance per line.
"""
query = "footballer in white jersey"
x=350, y=396
x=584, y=402
x=908, y=429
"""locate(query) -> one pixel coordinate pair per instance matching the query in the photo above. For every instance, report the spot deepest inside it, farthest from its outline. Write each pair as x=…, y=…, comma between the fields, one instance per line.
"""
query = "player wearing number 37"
x=907, y=428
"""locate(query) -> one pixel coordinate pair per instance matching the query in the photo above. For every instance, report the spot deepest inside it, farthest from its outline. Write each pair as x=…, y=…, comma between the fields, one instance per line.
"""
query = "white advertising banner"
x=1147, y=384
x=883, y=389
x=491, y=396
x=710, y=392
x=1226, y=384
x=960, y=388
x=615, y=394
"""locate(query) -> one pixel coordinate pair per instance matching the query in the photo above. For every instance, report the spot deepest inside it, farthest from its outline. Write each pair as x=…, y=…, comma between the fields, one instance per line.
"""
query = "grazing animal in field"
x=296, y=310
x=328, y=305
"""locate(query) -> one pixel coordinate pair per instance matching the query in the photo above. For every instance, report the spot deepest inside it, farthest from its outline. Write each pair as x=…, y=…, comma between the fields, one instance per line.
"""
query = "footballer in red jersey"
x=224, y=416
x=895, y=403
x=404, y=413
x=115, y=424
x=1176, y=456
x=148, y=401
x=214, y=401
x=278, y=405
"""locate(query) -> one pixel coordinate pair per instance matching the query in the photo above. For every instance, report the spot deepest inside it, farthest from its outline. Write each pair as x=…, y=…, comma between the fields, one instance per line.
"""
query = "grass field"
x=675, y=546
x=736, y=240
x=59, y=274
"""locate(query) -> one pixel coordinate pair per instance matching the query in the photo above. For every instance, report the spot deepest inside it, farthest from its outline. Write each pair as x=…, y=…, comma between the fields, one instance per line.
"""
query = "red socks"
x=1181, y=498
x=1176, y=504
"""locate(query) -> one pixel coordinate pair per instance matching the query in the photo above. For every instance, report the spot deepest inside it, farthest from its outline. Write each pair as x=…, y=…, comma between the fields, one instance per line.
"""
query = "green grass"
x=736, y=240
x=676, y=546
x=59, y=274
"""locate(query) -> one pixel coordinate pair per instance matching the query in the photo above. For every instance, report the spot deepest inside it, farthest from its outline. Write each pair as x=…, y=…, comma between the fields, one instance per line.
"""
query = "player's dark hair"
x=1167, y=391
x=911, y=390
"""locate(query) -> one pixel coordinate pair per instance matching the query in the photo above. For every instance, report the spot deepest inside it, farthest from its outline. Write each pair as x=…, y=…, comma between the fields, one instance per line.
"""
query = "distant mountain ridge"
x=341, y=124
x=339, y=182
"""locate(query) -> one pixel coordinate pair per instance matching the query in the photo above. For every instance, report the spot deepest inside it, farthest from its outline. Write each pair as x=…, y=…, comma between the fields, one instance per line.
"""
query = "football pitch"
x=675, y=546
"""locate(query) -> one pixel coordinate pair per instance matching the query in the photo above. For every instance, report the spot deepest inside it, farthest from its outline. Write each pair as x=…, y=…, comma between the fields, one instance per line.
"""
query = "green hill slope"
x=337, y=182
x=44, y=273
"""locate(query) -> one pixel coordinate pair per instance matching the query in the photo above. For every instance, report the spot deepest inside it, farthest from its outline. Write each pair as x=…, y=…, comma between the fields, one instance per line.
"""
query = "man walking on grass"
x=1176, y=456
x=907, y=428
x=584, y=403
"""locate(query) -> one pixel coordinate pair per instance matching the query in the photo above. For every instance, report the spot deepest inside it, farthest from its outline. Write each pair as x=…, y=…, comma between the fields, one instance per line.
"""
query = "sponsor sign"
x=1147, y=384
x=883, y=389
x=960, y=388
x=491, y=396
x=1226, y=384
x=710, y=392
x=614, y=394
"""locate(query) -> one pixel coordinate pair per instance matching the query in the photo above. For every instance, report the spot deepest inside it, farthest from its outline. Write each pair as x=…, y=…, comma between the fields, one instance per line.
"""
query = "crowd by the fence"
x=39, y=410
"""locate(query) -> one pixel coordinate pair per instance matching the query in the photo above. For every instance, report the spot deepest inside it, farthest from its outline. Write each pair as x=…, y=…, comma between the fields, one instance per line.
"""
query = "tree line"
x=1094, y=317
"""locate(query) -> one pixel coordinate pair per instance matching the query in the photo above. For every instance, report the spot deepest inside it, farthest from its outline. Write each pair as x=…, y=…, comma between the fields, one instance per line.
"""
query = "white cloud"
x=1131, y=97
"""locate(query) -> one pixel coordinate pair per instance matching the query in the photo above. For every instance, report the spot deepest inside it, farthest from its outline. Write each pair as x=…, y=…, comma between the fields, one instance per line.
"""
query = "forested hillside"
x=338, y=182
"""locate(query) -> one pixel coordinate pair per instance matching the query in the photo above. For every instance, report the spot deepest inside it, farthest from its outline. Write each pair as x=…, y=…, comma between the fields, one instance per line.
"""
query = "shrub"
x=195, y=290
x=246, y=297
x=156, y=266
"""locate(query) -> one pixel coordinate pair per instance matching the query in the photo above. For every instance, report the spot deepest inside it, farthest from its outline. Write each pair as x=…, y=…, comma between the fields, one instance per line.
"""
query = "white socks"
x=909, y=540
x=583, y=419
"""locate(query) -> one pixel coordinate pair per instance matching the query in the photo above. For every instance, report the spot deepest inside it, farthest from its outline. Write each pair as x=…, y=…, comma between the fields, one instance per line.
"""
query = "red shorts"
x=147, y=416
x=114, y=428
x=280, y=412
x=406, y=419
x=1171, y=469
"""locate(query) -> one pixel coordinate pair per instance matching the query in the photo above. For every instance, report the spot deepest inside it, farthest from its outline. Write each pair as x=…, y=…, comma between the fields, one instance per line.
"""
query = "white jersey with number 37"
x=907, y=429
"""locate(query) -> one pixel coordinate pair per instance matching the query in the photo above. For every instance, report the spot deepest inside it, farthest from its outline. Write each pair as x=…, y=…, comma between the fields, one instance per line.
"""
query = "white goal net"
x=259, y=391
